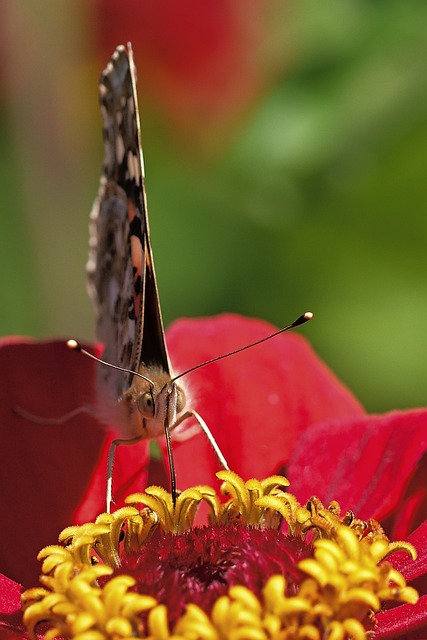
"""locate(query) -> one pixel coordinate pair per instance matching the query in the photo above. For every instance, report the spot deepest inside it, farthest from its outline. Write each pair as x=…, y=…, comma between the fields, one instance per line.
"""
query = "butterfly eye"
x=145, y=404
x=181, y=400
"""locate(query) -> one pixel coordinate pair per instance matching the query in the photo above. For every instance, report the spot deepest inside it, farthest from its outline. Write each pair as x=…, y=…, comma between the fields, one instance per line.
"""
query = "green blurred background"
x=285, y=147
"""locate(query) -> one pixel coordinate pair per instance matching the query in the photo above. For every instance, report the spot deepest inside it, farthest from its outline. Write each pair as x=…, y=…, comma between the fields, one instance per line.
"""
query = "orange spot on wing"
x=131, y=210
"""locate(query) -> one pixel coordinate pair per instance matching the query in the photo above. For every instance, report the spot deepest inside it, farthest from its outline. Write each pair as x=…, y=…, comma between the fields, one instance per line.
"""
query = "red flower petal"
x=45, y=468
x=256, y=403
x=406, y=622
x=413, y=505
x=413, y=569
x=11, y=627
x=366, y=463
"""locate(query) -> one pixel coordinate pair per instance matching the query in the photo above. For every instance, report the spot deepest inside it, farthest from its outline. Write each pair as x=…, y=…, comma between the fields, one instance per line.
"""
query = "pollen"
x=263, y=568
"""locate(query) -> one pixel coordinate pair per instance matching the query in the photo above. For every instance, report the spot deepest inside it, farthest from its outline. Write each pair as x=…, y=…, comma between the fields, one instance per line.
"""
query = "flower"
x=271, y=406
x=239, y=577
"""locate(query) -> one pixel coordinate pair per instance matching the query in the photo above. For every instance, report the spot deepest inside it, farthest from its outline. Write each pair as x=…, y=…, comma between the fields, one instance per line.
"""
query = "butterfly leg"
x=204, y=427
x=110, y=467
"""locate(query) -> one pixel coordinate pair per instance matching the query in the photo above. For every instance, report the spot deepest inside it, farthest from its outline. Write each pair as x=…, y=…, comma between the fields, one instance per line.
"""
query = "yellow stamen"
x=344, y=582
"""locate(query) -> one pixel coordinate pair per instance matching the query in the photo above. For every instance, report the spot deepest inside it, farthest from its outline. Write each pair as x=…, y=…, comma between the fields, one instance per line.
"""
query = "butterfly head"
x=153, y=401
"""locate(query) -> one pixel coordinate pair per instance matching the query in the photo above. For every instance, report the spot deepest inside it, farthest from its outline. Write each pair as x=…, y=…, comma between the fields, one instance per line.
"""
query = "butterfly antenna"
x=76, y=346
x=296, y=323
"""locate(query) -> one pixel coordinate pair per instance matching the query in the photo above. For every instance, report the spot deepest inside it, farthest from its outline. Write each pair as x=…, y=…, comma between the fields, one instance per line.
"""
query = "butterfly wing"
x=121, y=276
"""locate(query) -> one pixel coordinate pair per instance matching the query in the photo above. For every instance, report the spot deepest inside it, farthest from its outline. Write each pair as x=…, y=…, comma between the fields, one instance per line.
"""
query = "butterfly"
x=138, y=394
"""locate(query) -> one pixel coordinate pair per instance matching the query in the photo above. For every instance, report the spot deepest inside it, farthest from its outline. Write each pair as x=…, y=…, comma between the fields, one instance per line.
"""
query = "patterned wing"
x=121, y=277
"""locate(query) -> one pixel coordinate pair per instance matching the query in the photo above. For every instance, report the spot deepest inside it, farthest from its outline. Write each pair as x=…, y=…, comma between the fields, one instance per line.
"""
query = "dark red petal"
x=11, y=627
x=366, y=463
x=407, y=622
x=413, y=505
x=257, y=403
x=415, y=571
x=45, y=468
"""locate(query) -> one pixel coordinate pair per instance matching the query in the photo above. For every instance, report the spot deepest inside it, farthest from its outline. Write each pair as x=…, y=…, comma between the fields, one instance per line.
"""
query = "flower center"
x=201, y=564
